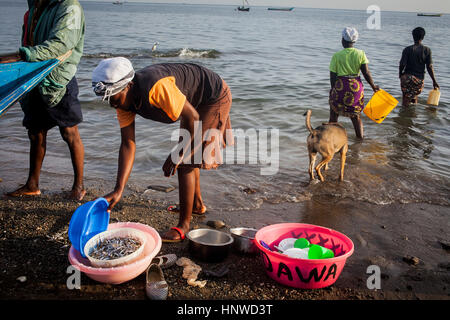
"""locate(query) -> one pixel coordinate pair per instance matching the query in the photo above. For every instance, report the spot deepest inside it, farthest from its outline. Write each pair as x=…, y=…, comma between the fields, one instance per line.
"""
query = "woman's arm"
x=430, y=70
x=401, y=69
x=333, y=78
x=368, y=76
x=403, y=63
x=126, y=159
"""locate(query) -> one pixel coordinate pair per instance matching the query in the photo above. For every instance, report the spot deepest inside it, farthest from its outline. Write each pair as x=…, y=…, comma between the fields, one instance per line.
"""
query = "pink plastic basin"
x=303, y=273
x=117, y=275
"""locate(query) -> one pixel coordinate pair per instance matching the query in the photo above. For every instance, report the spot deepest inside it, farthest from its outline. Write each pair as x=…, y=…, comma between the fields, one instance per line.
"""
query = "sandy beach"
x=34, y=244
x=393, y=203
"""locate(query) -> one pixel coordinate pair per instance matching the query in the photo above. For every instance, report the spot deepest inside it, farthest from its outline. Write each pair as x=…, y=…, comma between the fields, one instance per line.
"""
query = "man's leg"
x=72, y=137
x=38, y=145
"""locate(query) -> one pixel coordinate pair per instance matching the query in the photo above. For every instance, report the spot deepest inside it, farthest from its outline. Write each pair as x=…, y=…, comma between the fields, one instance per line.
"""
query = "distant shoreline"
x=255, y=5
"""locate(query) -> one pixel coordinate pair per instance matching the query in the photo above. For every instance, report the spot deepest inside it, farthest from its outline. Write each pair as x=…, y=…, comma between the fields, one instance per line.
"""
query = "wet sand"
x=34, y=244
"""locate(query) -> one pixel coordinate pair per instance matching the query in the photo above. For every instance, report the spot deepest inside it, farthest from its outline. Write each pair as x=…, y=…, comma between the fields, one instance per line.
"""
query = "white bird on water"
x=154, y=46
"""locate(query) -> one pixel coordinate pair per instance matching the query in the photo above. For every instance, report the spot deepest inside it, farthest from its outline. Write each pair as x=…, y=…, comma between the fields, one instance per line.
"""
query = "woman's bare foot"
x=76, y=194
x=24, y=191
x=199, y=211
x=198, y=208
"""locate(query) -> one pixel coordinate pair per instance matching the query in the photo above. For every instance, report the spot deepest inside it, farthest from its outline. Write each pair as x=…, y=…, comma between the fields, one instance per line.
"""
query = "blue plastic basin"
x=88, y=220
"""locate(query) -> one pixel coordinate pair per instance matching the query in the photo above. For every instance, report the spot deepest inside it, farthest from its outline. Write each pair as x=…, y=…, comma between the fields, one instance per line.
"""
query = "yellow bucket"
x=433, y=97
x=381, y=104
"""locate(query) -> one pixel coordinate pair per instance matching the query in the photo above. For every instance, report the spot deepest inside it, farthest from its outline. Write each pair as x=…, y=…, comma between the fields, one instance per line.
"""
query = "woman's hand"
x=435, y=85
x=169, y=167
x=375, y=88
x=113, y=198
x=188, y=118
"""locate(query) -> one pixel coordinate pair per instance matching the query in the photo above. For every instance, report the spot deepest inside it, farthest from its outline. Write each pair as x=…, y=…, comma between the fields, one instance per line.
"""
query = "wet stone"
x=444, y=265
x=249, y=190
x=161, y=188
x=216, y=224
x=445, y=245
x=411, y=260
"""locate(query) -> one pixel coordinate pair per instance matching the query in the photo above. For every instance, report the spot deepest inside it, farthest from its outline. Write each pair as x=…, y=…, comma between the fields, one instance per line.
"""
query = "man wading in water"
x=51, y=29
x=168, y=92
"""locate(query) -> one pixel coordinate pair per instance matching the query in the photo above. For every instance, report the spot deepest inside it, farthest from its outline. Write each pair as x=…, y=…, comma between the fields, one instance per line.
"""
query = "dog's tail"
x=308, y=120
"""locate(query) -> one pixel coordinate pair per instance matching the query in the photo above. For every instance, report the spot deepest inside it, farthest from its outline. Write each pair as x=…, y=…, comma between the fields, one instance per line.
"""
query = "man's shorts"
x=67, y=113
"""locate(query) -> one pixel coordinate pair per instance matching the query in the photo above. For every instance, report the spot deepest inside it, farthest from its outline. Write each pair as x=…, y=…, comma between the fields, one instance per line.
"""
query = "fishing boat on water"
x=429, y=14
x=243, y=7
x=280, y=9
x=118, y=2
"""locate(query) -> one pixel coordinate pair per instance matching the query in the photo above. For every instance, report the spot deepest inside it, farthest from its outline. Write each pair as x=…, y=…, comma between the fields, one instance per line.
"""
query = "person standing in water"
x=412, y=68
x=53, y=28
x=347, y=90
x=166, y=93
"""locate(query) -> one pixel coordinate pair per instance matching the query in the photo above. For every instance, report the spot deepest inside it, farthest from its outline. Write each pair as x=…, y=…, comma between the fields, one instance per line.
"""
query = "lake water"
x=276, y=64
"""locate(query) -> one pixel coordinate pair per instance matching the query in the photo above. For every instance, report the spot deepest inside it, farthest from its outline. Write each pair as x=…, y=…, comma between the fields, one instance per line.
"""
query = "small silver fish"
x=114, y=248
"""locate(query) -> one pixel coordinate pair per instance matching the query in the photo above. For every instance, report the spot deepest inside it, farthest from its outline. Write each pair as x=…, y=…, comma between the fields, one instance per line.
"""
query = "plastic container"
x=119, y=233
x=302, y=273
x=433, y=97
x=297, y=253
x=381, y=104
x=301, y=243
x=88, y=220
x=121, y=274
x=286, y=244
x=319, y=252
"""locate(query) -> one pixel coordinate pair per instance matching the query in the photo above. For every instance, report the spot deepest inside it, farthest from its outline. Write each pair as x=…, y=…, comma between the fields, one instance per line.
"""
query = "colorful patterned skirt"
x=347, y=96
x=411, y=86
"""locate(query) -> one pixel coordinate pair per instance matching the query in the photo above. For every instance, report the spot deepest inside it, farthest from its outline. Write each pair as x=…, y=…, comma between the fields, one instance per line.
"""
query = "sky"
x=428, y=6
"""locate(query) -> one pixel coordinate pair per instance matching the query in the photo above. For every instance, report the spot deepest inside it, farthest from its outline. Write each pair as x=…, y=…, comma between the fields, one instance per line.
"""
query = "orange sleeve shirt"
x=164, y=95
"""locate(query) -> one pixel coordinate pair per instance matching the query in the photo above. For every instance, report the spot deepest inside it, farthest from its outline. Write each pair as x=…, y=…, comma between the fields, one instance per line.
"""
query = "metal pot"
x=209, y=245
x=244, y=240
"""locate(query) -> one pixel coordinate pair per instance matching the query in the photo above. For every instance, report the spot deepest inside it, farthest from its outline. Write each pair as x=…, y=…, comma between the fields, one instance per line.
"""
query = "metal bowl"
x=209, y=245
x=244, y=240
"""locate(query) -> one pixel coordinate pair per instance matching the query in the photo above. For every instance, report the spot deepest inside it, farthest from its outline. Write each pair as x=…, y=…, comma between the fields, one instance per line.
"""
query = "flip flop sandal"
x=182, y=236
x=176, y=209
x=165, y=261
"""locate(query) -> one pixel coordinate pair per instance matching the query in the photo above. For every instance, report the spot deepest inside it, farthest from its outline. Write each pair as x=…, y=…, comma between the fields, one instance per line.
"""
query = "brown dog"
x=326, y=139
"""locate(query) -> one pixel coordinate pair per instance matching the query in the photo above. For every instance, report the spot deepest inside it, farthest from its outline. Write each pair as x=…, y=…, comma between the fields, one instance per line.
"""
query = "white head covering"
x=111, y=76
x=350, y=34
